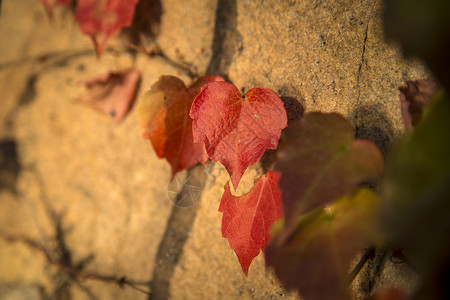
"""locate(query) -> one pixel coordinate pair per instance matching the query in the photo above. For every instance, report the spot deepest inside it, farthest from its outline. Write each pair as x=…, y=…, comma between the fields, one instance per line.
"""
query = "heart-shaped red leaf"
x=164, y=120
x=103, y=19
x=236, y=131
x=247, y=220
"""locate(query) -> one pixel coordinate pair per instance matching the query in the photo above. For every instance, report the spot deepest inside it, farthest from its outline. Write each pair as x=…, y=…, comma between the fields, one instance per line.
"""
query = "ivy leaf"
x=112, y=93
x=164, y=119
x=247, y=220
x=103, y=19
x=414, y=98
x=315, y=258
x=322, y=161
x=236, y=130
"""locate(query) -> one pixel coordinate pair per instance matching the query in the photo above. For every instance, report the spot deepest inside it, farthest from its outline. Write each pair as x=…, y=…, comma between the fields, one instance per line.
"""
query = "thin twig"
x=368, y=254
x=56, y=56
x=53, y=58
x=122, y=281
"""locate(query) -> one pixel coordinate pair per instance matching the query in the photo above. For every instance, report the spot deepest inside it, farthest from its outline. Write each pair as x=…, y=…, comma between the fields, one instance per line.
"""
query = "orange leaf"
x=164, y=120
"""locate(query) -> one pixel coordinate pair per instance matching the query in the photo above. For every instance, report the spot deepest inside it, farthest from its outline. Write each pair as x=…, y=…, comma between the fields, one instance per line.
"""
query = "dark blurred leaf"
x=322, y=161
x=315, y=258
x=423, y=28
x=416, y=192
x=414, y=98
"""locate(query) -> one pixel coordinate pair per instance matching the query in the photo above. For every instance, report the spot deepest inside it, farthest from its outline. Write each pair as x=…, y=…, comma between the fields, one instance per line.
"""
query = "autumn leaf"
x=315, y=258
x=247, y=220
x=322, y=161
x=112, y=93
x=103, y=19
x=236, y=131
x=164, y=120
x=414, y=98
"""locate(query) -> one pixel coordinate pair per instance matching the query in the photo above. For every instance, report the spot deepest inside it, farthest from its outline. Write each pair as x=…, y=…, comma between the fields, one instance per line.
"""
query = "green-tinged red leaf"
x=247, y=220
x=315, y=258
x=103, y=19
x=414, y=98
x=164, y=120
x=112, y=93
x=322, y=161
x=236, y=130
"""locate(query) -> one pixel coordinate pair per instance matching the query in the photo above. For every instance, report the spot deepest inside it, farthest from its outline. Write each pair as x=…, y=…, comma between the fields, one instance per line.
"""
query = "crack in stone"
x=358, y=75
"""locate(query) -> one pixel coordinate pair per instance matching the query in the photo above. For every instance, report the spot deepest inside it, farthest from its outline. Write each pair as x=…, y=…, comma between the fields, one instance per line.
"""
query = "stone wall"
x=95, y=195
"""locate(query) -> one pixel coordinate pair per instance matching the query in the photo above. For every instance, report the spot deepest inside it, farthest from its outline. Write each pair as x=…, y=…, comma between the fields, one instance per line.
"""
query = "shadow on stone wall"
x=371, y=123
x=225, y=46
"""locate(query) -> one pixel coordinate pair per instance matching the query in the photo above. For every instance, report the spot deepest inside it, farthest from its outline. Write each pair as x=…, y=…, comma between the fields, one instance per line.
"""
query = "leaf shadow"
x=10, y=165
x=176, y=234
x=294, y=112
x=371, y=123
x=227, y=39
x=146, y=22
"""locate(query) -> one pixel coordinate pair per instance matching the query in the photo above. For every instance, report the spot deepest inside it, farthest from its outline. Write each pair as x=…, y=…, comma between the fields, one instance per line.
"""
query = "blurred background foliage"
x=415, y=209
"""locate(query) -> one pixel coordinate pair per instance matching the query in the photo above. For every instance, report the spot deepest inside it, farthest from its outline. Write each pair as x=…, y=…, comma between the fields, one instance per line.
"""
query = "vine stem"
x=368, y=254
x=121, y=281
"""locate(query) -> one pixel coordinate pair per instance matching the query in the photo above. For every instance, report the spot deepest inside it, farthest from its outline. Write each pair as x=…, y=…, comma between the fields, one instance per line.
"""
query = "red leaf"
x=103, y=19
x=236, y=131
x=164, y=119
x=247, y=220
x=112, y=93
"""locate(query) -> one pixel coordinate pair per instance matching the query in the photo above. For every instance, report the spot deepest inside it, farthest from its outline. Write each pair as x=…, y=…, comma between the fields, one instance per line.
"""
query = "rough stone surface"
x=94, y=194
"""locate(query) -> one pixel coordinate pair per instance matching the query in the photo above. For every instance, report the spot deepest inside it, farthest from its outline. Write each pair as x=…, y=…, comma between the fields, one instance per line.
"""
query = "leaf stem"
x=368, y=254
x=121, y=281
